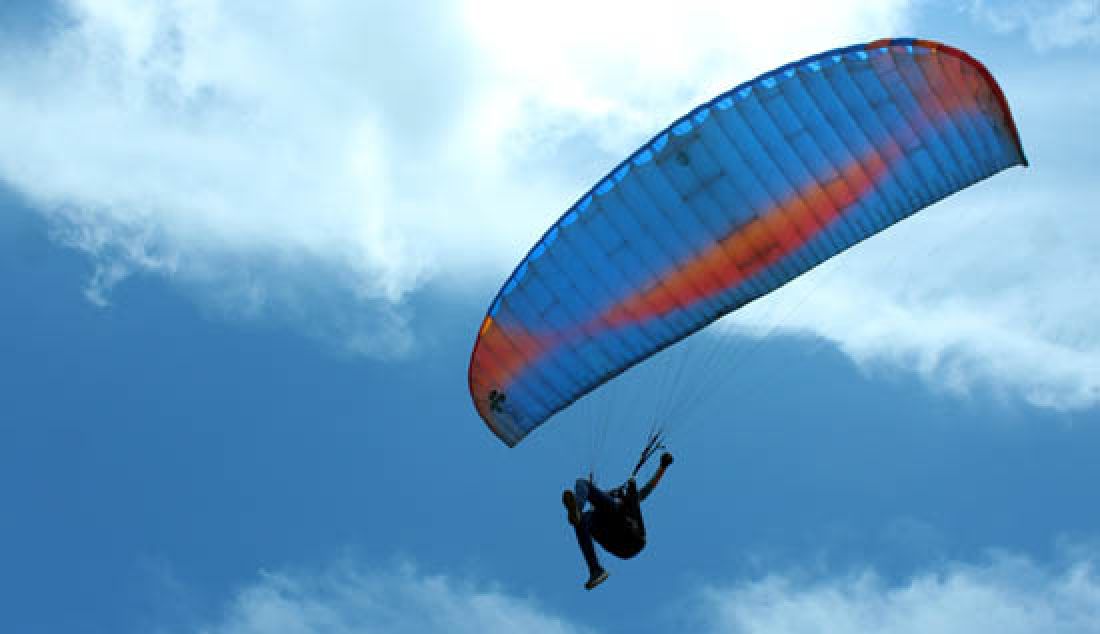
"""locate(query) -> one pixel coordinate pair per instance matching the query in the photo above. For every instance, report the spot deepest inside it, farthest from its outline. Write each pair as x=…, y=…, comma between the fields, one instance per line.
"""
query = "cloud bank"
x=253, y=155
x=1011, y=595
x=319, y=165
x=1008, y=594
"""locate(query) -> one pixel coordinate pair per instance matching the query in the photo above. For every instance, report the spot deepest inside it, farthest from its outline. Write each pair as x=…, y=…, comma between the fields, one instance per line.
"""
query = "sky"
x=245, y=249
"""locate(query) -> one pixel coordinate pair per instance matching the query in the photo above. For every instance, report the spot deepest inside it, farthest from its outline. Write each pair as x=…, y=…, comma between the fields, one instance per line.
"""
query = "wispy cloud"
x=349, y=601
x=242, y=150
x=1007, y=593
x=1048, y=24
x=1011, y=595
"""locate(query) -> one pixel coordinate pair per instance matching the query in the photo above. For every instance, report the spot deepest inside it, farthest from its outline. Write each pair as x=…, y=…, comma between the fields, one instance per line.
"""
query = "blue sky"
x=244, y=253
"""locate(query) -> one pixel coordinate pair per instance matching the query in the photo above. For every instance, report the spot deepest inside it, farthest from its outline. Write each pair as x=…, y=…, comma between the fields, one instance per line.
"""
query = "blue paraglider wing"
x=732, y=201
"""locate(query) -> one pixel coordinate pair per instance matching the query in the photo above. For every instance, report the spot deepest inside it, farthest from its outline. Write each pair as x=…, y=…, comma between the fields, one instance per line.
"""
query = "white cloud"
x=348, y=601
x=240, y=150
x=316, y=164
x=1009, y=595
x=1049, y=24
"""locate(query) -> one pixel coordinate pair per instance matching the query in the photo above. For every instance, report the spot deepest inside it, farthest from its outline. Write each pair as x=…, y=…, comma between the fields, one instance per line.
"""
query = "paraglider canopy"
x=730, y=202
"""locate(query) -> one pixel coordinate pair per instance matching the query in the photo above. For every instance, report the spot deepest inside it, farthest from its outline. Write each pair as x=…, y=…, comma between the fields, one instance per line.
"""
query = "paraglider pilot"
x=615, y=519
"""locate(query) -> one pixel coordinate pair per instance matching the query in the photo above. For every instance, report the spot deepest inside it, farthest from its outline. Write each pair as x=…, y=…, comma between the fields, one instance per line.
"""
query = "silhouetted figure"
x=615, y=519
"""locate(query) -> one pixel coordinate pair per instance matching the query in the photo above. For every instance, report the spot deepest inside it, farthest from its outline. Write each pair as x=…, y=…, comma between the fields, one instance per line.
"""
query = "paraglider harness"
x=624, y=535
